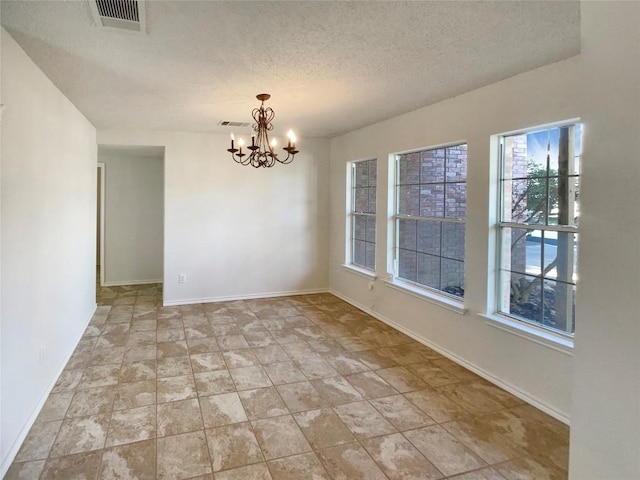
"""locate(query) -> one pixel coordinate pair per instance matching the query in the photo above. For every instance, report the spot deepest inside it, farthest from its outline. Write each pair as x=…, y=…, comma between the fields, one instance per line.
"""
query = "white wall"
x=534, y=371
x=238, y=231
x=605, y=416
x=134, y=197
x=48, y=238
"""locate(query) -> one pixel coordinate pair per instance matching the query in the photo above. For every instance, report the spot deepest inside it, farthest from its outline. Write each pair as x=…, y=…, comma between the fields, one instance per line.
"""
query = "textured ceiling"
x=330, y=67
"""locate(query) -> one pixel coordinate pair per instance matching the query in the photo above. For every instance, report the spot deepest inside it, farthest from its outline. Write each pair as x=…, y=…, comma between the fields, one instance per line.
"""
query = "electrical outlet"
x=182, y=278
x=41, y=355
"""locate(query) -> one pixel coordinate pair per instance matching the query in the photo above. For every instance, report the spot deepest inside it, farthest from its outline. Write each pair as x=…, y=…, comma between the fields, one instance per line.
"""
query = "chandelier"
x=261, y=148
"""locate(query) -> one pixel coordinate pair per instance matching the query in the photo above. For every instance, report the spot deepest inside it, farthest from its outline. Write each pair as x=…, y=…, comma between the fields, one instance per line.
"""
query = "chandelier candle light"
x=262, y=150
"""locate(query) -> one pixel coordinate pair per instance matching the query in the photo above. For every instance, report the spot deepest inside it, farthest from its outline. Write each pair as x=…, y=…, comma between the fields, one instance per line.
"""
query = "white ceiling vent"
x=226, y=123
x=121, y=14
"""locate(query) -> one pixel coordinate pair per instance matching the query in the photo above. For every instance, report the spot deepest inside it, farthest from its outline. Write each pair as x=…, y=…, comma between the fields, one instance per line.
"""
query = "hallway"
x=284, y=388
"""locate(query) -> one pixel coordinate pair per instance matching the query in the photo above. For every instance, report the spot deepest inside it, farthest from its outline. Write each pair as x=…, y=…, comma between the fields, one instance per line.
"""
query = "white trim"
x=539, y=128
x=131, y=282
x=103, y=185
x=423, y=294
x=363, y=272
x=546, y=228
x=190, y=301
x=538, y=335
x=521, y=394
x=17, y=443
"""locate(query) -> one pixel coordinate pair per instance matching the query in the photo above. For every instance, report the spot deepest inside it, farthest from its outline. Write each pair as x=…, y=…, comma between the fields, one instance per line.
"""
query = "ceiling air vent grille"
x=121, y=9
x=121, y=14
x=226, y=123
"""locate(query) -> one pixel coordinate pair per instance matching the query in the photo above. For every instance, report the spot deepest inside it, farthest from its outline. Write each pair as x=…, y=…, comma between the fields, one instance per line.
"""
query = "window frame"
x=562, y=339
x=352, y=214
x=431, y=294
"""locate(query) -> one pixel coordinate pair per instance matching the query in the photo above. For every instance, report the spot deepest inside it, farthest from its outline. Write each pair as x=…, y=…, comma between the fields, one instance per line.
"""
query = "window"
x=430, y=218
x=538, y=226
x=364, y=175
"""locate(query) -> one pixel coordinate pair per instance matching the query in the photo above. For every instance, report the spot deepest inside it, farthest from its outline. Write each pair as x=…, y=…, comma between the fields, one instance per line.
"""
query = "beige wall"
x=605, y=412
x=134, y=215
x=237, y=231
x=48, y=239
x=537, y=371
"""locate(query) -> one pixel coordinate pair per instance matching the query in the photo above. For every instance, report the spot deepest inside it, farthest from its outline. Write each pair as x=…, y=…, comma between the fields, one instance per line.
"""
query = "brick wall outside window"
x=431, y=209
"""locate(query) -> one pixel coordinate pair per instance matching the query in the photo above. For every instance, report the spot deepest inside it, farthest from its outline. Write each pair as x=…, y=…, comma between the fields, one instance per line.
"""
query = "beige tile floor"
x=304, y=387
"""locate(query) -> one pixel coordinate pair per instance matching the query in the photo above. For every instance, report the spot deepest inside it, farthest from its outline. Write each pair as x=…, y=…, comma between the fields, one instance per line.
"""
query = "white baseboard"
x=15, y=447
x=521, y=394
x=230, y=298
x=130, y=282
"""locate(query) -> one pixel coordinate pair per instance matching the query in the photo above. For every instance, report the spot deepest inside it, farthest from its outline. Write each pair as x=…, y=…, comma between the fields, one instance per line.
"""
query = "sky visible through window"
x=537, y=145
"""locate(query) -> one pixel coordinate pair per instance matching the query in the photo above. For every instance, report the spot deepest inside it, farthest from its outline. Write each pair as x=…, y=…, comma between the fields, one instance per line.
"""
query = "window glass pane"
x=522, y=250
x=361, y=174
x=407, y=238
x=526, y=297
x=559, y=306
x=538, y=146
x=515, y=157
x=407, y=265
x=409, y=169
x=514, y=203
x=361, y=199
x=560, y=256
x=457, y=163
x=452, y=277
x=575, y=194
x=432, y=200
x=453, y=240
x=456, y=200
x=554, y=148
x=533, y=254
x=371, y=229
x=538, y=200
x=370, y=256
x=371, y=206
x=565, y=198
x=429, y=270
x=429, y=237
x=359, y=227
x=359, y=252
x=409, y=200
x=432, y=166
x=525, y=201
x=373, y=172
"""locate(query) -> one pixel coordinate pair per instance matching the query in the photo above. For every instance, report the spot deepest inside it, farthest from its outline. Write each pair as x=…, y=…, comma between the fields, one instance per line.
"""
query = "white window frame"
x=429, y=294
x=546, y=335
x=350, y=223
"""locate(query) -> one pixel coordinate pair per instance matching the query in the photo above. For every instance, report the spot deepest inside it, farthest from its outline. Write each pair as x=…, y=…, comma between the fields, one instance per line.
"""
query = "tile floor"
x=304, y=387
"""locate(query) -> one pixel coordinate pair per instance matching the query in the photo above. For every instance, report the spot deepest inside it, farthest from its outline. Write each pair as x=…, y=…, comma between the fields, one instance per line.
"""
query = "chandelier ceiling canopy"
x=262, y=150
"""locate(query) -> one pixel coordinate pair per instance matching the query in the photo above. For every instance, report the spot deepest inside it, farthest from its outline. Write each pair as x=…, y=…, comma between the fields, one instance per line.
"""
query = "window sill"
x=363, y=272
x=427, y=296
x=530, y=332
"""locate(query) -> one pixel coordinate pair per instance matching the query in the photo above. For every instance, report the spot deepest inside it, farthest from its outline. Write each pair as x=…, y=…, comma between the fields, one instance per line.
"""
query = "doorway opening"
x=130, y=229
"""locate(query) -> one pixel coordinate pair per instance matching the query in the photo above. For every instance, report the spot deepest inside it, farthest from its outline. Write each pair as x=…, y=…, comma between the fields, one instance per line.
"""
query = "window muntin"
x=538, y=226
x=430, y=218
x=364, y=176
